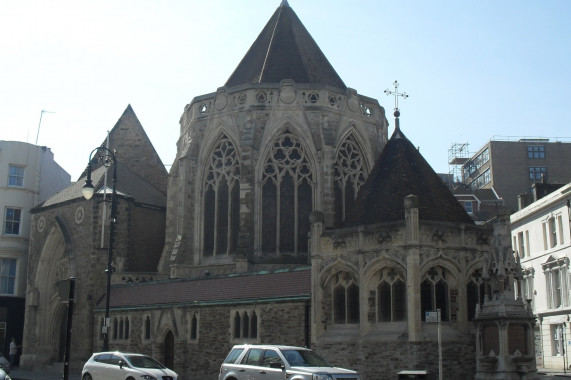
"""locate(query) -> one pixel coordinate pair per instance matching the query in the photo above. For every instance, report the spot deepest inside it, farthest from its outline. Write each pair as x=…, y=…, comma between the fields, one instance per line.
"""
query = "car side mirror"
x=121, y=364
x=276, y=365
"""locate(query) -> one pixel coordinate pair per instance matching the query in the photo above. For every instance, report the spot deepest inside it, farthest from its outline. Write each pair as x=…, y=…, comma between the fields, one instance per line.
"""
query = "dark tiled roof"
x=400, y=171
x=285, y=50
x=128, y=184
x=250, y=287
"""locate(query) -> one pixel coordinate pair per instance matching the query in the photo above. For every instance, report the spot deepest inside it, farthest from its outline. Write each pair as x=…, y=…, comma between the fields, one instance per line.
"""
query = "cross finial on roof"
x=396, y=93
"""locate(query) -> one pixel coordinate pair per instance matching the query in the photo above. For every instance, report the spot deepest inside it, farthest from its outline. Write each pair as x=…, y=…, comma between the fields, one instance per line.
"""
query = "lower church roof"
x=291, y=284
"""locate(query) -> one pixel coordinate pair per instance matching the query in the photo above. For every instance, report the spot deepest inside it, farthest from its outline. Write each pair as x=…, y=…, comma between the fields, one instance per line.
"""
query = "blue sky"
x=474, y=70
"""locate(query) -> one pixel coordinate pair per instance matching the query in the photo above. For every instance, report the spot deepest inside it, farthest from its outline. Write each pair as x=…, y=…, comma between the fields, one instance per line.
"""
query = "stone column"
x=412, y=238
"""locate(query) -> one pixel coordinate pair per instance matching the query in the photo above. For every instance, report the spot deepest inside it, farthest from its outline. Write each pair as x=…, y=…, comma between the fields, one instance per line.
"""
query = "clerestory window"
x=287, y=196
x=221, y=199
x=350, y=174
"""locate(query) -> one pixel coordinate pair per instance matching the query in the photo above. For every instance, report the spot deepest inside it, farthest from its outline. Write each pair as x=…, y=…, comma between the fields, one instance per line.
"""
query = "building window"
x=13, y=218
x=287, y=196
x=468, y=206
x=350, y=174
x=345, y=299
x=555, y=271
x=16, y=176
x=391, y=296
x=527, y=285
x=121, y=328
x=194, y=327
x=147, y=328
x=221, y=199
x=7, y=276
x=475, y=293
x=557, y=339
x=245, y=325
x=475, y=164
x=434, y=292
x=537, y=173
x=527, y=243
x=521, y=245
x=537, y=151
x=482, y=180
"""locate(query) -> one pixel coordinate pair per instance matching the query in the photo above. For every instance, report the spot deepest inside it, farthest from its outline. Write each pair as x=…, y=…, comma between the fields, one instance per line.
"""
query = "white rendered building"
x=541, y=239
x=28, y=176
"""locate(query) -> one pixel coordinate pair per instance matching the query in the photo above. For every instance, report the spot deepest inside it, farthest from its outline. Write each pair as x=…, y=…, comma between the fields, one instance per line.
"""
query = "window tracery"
x=221, y=199
x=345, y=299
x=391, y=296
x=434, y=293
x=350, y=175
x=287, y=196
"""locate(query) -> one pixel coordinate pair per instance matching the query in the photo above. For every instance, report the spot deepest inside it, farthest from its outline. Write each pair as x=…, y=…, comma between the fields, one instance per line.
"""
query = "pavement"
x=23, y=374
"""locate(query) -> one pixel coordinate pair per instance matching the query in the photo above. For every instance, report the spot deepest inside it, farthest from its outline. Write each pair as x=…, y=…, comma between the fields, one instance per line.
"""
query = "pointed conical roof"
x=401, y=171
x=285, y=50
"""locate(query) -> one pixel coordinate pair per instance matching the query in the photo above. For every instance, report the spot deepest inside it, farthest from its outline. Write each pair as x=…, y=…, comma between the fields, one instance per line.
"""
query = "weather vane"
x=396, y=93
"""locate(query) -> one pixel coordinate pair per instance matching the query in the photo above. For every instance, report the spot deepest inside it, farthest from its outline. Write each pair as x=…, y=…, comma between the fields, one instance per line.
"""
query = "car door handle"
x=242, y=370
x=263, y=372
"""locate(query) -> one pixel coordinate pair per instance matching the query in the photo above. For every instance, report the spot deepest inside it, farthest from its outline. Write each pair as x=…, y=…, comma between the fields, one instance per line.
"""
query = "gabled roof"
x=400, y=171
x=285, y=50
x=129, y=184
x=259, y=287
x=135, y=150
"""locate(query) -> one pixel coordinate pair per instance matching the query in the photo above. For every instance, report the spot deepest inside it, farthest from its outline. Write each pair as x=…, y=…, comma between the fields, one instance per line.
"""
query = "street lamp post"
x=107, y=158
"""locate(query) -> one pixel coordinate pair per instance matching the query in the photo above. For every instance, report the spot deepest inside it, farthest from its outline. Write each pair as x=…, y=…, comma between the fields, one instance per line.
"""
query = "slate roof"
x=128, y=184
x=281, y=284
x=400, y=171
x=285, y=50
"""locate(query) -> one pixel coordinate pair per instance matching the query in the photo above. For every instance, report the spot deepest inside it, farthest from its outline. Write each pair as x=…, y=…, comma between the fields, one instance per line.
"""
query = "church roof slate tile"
x=285, y=50
x=400, y=171
x=243, y=287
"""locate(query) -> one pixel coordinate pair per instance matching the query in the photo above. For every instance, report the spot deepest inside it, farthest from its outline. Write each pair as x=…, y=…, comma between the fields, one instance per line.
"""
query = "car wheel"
x=87, y=377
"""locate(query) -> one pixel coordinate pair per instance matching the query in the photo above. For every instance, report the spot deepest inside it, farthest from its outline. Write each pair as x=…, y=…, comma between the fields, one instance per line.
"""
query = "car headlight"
x=322, y=377
x=148, y=377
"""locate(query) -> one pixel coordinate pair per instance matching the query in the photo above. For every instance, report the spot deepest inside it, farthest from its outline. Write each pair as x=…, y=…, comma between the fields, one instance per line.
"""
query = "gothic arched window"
x=287, y=196
x=345, y=299
x=474, y=293
x=221, y=199
x=434, y=292
x=391, y=296
x=350, y=174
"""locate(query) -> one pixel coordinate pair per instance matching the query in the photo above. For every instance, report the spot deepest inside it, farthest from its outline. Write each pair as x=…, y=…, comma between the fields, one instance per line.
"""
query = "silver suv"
x=270, y=362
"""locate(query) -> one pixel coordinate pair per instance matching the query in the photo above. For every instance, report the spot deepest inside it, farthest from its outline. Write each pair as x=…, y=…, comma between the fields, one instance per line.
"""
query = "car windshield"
x=139, y=361
x=304, y=358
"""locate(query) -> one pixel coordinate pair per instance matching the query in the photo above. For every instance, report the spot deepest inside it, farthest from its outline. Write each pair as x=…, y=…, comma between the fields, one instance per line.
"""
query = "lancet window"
x=350, y=174
x=287, y=196
x=475, y=292
x=391, y=296
x=345, y=299
x=221, y=199
x=434, y=293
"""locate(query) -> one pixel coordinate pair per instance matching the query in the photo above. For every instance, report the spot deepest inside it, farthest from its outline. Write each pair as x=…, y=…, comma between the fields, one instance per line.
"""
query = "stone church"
x=288, y=217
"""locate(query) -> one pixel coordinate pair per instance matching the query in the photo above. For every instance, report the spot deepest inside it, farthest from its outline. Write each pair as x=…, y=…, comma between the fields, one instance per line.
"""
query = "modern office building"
x=511, y=167
x=28, y=176
x=541, y=240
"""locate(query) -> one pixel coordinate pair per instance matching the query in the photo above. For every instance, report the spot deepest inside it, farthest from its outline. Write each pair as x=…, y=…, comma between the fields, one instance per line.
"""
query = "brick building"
x=511, y=167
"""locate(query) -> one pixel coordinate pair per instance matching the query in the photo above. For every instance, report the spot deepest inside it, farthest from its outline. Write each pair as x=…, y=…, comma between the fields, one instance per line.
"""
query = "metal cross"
x=396, y=93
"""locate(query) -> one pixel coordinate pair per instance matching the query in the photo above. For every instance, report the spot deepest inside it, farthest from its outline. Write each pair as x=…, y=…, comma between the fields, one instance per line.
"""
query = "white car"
x=125, y=366
x=4, y=365
x=271, y=362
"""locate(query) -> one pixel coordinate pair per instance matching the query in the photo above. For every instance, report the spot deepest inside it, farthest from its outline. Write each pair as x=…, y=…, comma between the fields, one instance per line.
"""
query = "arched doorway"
x=169, y=350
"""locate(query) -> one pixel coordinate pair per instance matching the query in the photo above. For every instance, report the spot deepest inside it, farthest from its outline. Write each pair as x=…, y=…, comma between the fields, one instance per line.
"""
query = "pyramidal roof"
x=285, y=50
x=401, y=171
